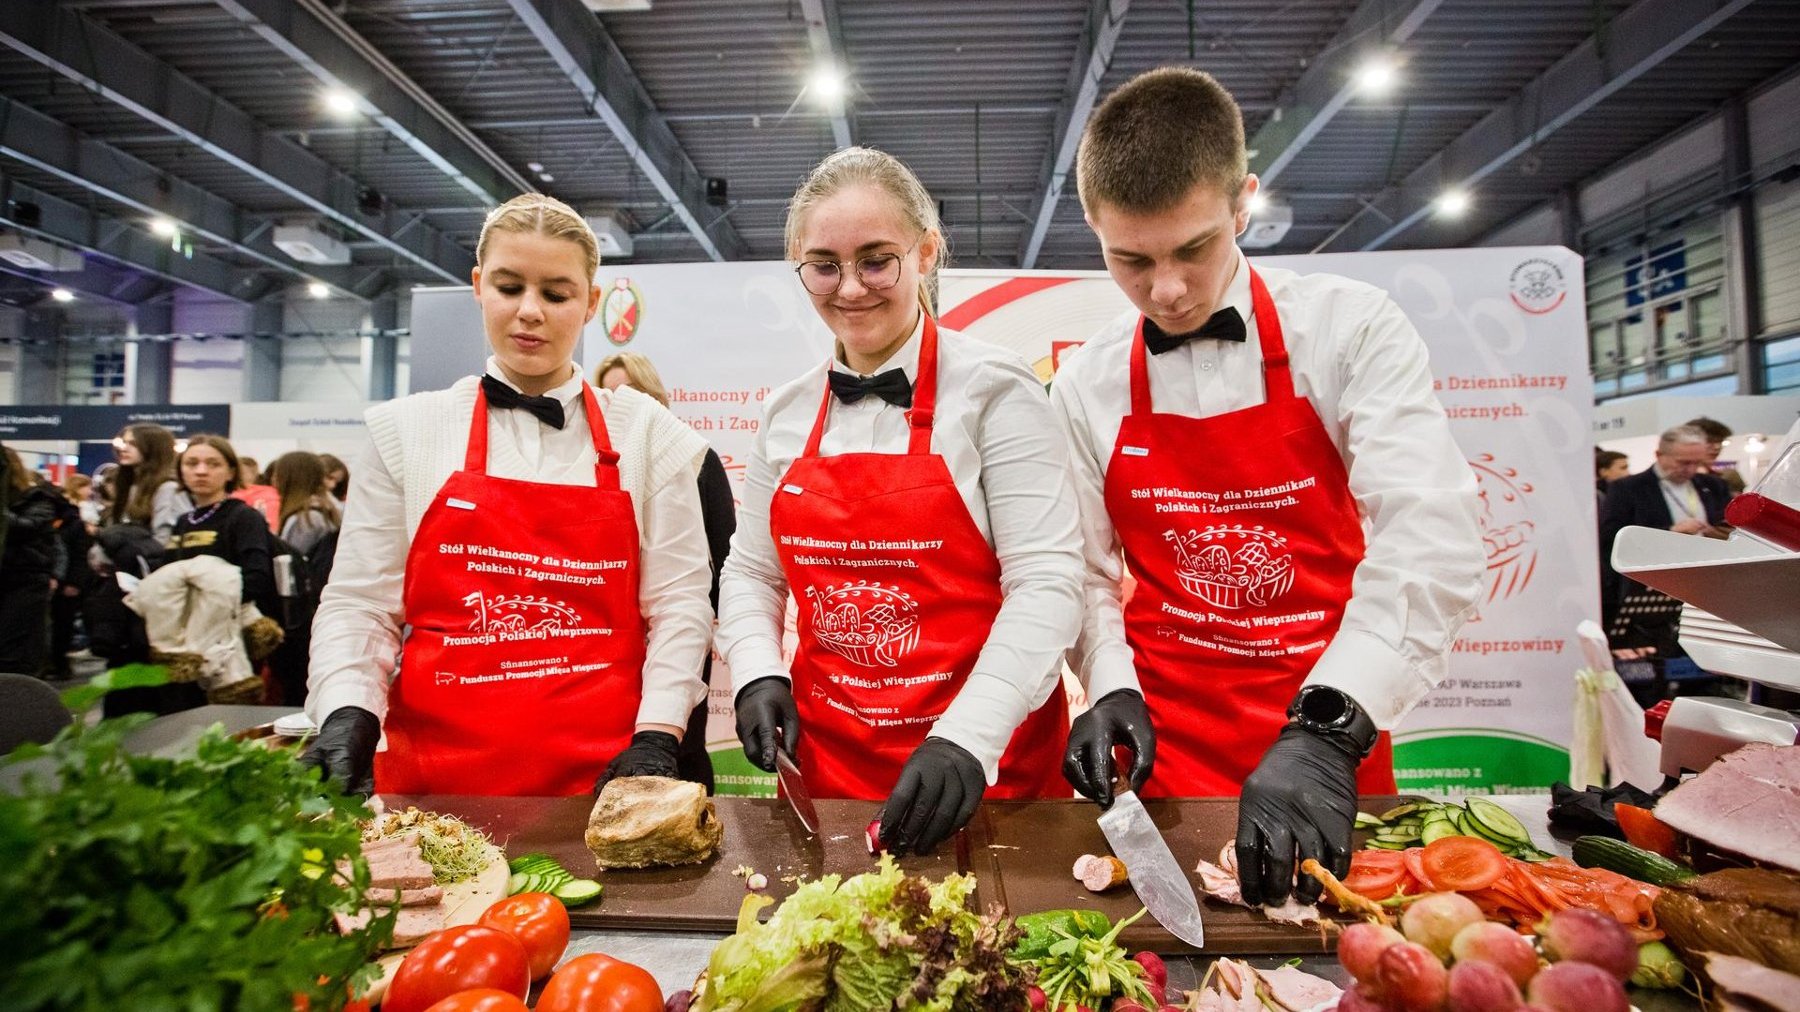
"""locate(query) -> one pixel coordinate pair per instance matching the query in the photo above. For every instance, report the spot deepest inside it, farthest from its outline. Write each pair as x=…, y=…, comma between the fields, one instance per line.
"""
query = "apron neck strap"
x=1278, y=379
x=606, y=461
x=918, y=417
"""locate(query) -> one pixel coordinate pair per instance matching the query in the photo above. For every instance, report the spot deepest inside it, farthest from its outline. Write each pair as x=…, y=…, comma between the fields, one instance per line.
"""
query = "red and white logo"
x=1508, y=535
x=622, y=311
x=516, y=613
x=1232, y=566
x=865, y=623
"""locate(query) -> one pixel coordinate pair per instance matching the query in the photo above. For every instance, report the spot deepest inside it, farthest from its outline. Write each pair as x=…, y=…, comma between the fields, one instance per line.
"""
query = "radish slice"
x=872, y=837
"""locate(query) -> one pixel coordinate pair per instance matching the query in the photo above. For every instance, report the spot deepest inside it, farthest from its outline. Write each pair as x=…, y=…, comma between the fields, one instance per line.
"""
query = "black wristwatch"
x=1324, y=710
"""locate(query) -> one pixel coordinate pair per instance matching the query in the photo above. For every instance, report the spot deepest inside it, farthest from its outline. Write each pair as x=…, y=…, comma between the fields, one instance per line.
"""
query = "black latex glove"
x=1118, y=718
x=650, y=754
x=1300, y=799
x=764, y=706
x=937, y=792
x=345, y=749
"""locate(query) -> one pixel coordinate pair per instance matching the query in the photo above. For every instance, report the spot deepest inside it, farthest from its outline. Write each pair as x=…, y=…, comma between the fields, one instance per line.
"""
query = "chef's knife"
x=1159, y=881
x=794, y=788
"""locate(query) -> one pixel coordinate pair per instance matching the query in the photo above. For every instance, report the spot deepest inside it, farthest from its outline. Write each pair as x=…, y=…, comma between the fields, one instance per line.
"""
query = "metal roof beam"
x=70, y=224
x=1105, y=22
x=59, y=149
x=592, y=62
x=1329, y=83
x=824, y=33
x=313, y=36
x=1623, y=50
x=98, y=59
x=97, y=279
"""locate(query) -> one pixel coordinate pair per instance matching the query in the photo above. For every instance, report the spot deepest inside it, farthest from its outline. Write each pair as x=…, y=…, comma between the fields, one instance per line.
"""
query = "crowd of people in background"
x=72, y=555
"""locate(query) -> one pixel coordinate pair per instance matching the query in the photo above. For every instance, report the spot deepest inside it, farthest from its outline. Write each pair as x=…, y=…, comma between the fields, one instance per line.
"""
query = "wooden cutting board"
x=1021, y=852
x=760, y=833
x=1024, y=854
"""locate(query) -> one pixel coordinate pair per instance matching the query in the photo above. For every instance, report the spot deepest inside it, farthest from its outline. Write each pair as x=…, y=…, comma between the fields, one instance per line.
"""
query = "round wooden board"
x=464, y=903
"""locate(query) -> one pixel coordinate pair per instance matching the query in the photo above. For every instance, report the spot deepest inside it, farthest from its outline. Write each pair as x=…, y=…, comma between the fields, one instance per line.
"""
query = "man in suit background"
x=1675, y=493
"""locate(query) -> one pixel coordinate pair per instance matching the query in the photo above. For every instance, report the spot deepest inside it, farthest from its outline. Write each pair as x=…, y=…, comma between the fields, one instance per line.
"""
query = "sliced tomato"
x=1375, y=874
x=1644, y=830
x=1415, y=867
x=1462, y=863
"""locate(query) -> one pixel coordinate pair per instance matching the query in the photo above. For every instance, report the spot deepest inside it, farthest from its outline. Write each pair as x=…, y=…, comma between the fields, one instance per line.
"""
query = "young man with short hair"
x=1232, y=442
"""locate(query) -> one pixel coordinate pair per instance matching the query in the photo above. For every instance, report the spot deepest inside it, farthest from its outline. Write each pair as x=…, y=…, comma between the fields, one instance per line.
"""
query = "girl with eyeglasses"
x=911, y=493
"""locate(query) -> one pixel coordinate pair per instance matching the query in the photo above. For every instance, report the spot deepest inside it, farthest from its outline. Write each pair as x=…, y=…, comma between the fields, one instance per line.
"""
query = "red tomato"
x=482, y=999
x=1375, y=877
x=539, y=921
x=1644, y=830
x=1463, y=863
x=458, y=959
x=599, y=983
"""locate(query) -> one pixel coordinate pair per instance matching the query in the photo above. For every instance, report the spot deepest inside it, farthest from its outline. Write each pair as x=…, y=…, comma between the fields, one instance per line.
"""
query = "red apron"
x=1243, y=537
x=522, y=671
x=897, y=590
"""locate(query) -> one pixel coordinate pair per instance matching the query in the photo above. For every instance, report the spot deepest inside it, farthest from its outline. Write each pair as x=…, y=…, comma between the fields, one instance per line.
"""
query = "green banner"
x=1453, y=762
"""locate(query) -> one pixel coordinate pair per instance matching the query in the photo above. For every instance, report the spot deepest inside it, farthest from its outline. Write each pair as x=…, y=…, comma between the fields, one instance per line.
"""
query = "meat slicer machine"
x=1741, y=618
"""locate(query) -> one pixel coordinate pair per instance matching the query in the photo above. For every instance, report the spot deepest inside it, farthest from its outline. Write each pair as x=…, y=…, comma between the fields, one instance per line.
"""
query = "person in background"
x=252, y=489
x=337, y=476
x=28, y=567
x=1262, y=449
x=219, y=524
x=1676, y=493
x=719, y=511
x=77, y=576
x=145, y=490
x=911, y=492
x=1609, y=466
x=453, y=487
x=309, y=519
x=1718, y=437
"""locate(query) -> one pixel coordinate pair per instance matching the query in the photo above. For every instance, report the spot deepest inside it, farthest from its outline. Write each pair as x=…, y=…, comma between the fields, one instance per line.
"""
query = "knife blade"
x=1154, y=873
x=793, y=787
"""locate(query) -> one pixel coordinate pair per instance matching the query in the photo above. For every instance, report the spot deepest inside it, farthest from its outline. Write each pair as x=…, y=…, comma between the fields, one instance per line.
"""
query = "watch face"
x=1322, y=707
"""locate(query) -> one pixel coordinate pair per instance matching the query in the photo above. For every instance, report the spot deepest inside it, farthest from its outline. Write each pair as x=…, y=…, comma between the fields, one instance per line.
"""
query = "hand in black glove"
x=1301, y=797
x=650, y=754
x=764, y=706
x=345, y=749
x=1118, y=718
x=938, y=789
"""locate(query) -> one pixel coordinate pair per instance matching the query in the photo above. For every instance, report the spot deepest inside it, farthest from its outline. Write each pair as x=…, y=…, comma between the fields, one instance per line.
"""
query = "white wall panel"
x=1680, y=158
x=206, y=372
x=1778, y=238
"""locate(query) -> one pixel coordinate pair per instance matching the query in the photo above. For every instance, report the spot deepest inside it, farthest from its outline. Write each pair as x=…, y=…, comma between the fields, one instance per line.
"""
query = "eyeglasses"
x=875, y=272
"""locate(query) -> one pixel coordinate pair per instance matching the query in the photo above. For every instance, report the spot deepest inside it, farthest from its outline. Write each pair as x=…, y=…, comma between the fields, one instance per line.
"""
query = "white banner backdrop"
x=1507, y=335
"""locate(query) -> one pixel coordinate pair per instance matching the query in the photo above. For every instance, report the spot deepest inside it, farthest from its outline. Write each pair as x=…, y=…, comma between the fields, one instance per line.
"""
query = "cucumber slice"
x=515, y=883
x=1366, y=821
x=1436, y=830
x=1380, y=844
x=519, y=863
x=577, y=891
x=1410, y=808
x=1498, y=822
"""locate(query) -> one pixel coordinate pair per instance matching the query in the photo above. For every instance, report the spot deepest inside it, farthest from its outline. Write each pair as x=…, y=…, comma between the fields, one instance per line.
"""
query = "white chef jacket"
x=1357, y=358
x=356, y=631
x=994, y=429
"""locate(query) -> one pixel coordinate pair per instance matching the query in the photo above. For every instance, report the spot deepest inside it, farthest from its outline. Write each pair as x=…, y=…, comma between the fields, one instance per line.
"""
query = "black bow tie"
x=1224, y=325
x=548, y=410
x=891, y=386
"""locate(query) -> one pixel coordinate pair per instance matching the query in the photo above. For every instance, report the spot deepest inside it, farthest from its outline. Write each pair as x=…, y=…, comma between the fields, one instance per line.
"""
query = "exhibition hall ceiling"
x=201, y=143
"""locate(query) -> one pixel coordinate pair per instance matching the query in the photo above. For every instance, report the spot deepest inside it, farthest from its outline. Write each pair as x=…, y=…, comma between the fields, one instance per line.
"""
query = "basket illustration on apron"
x=865, y=623
x=1231, y=566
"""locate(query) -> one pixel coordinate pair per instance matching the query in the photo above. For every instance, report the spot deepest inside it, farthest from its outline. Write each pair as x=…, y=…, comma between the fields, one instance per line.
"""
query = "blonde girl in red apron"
x=532, y=664
x=929, y=631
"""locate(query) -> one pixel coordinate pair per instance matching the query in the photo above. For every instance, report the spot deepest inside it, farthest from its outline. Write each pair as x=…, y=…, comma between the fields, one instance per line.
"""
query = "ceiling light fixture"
x=546, y=177
x=62, y=295
x=318, y=290
x=1376, y=77
x=828, y=84
x=1258, y=202
x=163, y=227
x=1452, y=203
x=342, y=102
x=535, y=166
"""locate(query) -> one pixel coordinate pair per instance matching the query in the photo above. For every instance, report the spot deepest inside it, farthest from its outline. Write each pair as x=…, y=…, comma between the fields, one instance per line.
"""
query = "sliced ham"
x=1742, y=978
x=407, y=873
x=1747, y=803
x=1220, y=881
x=412, y=926
x=1236, y=986
x=1299, y=991
x=403, y=843
x=382, y=897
